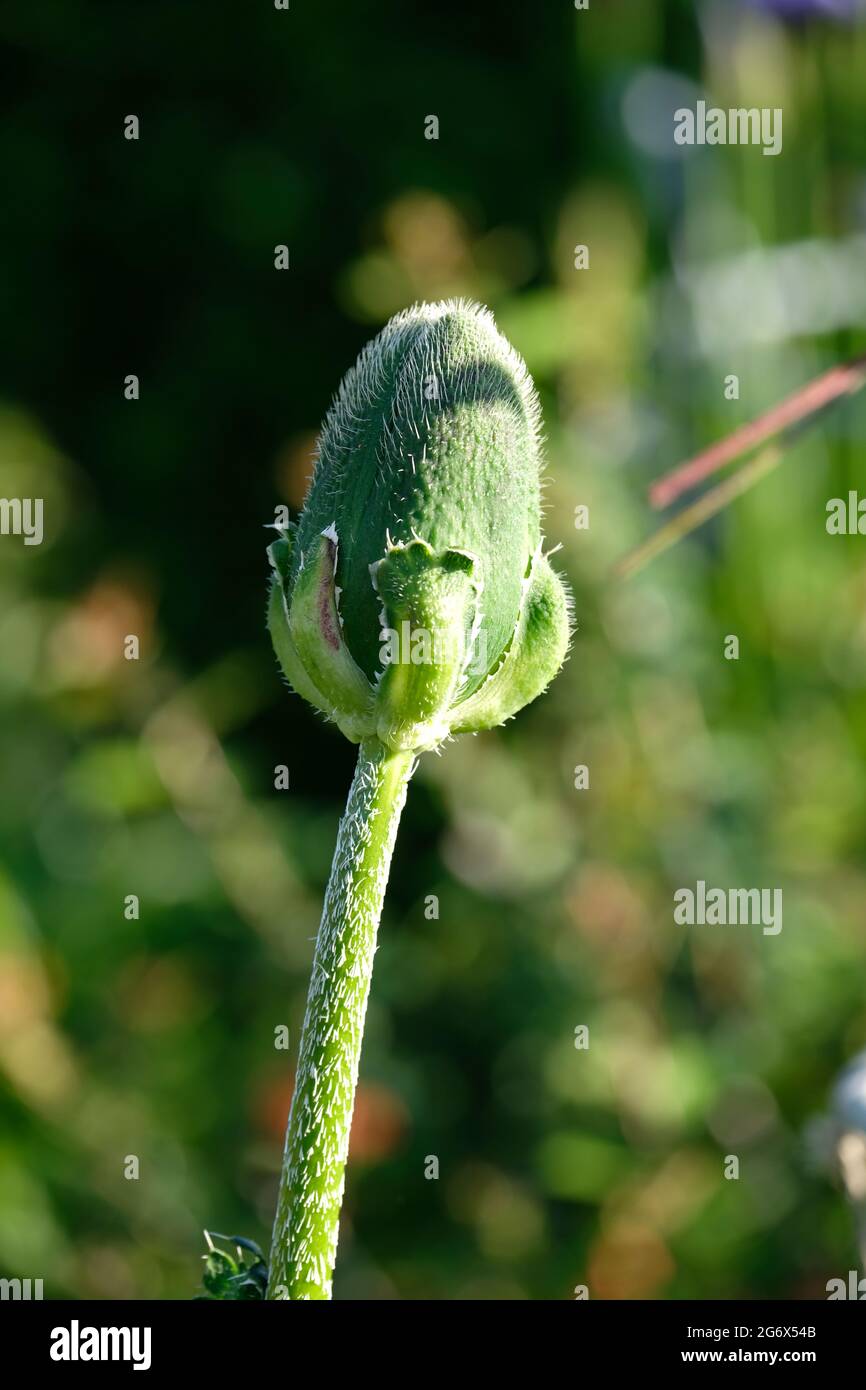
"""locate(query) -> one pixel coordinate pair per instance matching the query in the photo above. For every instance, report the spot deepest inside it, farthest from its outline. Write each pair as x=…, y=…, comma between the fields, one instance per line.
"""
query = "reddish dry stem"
x=838, y=381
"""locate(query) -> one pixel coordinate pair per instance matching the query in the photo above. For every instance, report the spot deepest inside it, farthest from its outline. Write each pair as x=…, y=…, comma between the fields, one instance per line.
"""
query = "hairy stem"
x=304, y=1244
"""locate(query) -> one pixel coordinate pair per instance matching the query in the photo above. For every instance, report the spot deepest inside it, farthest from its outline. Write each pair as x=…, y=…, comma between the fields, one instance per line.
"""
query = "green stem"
x=706, y=506
x=304, y=1244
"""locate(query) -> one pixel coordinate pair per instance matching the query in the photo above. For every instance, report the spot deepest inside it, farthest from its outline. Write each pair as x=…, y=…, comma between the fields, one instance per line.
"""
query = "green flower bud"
x=413, y=599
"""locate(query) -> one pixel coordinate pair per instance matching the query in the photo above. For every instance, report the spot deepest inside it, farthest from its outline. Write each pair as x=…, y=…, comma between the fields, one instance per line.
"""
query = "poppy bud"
x=413, y=599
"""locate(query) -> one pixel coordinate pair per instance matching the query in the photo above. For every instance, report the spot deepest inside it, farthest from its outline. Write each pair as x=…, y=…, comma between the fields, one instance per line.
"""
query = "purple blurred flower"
x=807, y=9
x=849, y=1095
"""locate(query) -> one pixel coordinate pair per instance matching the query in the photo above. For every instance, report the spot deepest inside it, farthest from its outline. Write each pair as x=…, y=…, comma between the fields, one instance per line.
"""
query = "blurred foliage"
x=155, y=1037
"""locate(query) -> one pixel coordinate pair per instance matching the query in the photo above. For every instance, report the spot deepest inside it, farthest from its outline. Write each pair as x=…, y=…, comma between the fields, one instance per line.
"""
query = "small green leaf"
x=532, y=659
x=317, y=634
x=229, y=1277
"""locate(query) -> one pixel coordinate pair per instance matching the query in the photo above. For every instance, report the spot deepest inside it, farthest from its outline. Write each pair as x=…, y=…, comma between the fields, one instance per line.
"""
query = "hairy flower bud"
x=413, y=599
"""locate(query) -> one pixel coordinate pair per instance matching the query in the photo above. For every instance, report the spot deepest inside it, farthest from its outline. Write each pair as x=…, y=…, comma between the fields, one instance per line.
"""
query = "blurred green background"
x=155, y=1037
